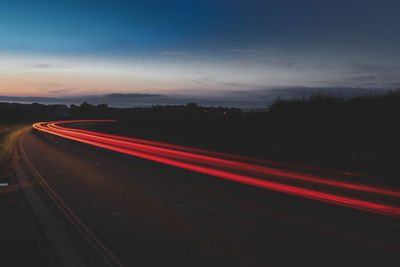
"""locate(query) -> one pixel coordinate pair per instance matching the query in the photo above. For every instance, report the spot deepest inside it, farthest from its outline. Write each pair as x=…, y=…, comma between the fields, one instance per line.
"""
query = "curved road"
x=151, y=214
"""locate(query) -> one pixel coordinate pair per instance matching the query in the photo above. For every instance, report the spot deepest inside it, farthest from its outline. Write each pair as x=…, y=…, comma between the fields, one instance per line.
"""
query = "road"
x=152, y=214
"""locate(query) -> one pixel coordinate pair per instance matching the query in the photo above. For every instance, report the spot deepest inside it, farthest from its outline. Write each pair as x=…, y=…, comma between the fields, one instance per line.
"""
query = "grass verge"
x=8, y=137
x=22, y=242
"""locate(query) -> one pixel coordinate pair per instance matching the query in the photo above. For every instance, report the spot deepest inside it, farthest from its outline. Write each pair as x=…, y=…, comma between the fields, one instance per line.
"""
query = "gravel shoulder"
x=22, y=241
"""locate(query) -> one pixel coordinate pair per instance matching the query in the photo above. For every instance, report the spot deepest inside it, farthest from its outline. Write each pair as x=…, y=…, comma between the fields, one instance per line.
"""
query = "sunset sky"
x=198, y=47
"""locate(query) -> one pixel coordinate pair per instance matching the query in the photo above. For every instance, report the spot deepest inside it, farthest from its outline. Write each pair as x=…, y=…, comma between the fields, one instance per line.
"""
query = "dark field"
x=354, y=135
x=350, y=134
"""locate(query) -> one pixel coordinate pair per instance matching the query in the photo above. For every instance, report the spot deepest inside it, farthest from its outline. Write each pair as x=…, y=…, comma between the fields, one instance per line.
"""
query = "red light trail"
x=230, y=167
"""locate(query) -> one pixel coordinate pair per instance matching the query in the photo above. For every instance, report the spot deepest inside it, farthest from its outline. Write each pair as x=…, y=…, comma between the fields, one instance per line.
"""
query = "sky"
x=196, y=47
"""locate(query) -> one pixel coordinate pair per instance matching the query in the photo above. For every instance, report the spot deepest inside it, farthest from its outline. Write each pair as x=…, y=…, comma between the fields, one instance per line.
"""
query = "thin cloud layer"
x=204, y=48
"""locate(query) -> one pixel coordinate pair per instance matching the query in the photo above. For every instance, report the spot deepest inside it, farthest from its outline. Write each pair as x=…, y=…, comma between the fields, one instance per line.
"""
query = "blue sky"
x=196, y=47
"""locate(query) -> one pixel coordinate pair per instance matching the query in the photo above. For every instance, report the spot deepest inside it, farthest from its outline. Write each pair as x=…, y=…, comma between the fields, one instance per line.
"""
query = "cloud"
x=49, y=84
x=372, y=67
x=35, y=66
x=215, y=86
x=174, y=53
x=41, y=66
x=374, y=75
x=279, y=62
x=268, y=49
x=59, y=91
x=252, y=51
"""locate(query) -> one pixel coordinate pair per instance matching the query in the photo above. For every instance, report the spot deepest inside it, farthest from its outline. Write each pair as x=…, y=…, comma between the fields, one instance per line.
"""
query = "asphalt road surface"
x=151, y=214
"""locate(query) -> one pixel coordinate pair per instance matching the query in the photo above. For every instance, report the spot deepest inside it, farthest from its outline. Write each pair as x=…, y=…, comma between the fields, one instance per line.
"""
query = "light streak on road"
x=159, y=149
x=229, y=167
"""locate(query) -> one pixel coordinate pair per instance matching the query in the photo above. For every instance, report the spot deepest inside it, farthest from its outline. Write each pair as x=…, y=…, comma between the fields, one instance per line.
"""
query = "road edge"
x=55, y=234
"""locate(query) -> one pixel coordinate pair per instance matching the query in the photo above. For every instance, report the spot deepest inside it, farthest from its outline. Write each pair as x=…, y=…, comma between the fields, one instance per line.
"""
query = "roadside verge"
x=22, y=242
x=56, y=236
x=71, y=240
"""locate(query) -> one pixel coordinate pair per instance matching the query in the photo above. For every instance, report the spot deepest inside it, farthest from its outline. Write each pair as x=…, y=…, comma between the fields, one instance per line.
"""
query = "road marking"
x=108, y=257
x=233, y=170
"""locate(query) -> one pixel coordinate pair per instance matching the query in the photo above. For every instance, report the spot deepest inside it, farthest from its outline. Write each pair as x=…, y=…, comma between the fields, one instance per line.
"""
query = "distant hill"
x=252, y=99
x=134, y=95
